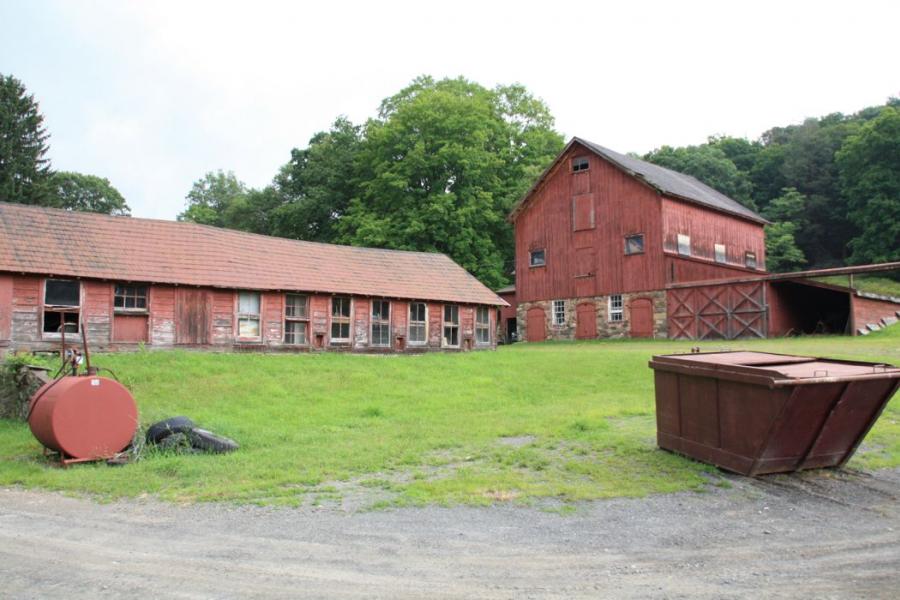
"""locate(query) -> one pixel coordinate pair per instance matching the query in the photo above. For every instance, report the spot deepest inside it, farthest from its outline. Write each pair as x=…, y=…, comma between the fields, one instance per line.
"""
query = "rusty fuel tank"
x=83, y=417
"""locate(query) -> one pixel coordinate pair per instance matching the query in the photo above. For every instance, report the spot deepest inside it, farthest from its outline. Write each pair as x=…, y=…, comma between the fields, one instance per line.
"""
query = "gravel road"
x=825, y=535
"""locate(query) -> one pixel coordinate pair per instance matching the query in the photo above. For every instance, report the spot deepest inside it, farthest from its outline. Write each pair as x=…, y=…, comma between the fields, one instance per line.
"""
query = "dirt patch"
x=828, y=534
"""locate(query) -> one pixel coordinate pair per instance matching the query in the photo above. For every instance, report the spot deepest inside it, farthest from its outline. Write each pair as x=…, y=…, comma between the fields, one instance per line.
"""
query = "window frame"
x=724, y=253
x=61, y=309
x=135, y=309
x=380, y=322
x=580, y=164
x=410, y=322
x=555, y=313
x=483, y=327
x=686, y=239
x=634, y=236
x=749, y=256
x=445, y=324
x=616, y=314
x=341, y=320
x=303, y=319
x=247, y=316
x=531, y=262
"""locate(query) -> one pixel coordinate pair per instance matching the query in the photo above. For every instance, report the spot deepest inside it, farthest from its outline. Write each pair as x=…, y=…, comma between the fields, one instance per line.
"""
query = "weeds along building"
x=163, y=284
x=608, y=245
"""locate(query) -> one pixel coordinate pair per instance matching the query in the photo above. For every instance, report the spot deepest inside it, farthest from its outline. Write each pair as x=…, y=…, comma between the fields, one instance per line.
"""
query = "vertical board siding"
x=359, y=329
x=26, y=309
x=223, y=316
x=435, y=324
x=621, y=206
x=96, y=311
x=272, y=318
x=399, y=320
x=6, y=304
x=162, y=315
x=707, y=228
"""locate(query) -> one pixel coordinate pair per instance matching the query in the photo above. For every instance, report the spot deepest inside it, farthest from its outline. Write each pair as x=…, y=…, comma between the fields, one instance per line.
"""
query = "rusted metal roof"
x=58, y=242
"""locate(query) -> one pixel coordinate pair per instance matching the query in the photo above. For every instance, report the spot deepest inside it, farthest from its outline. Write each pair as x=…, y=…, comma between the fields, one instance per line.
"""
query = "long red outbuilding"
x=161, y=284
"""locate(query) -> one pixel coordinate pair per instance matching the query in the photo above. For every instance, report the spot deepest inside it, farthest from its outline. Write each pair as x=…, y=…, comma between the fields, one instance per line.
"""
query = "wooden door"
x=191, y=316
x=585, y=275
x=641, y=318
x=130, y=328
x=586, y=321
x=536, y=325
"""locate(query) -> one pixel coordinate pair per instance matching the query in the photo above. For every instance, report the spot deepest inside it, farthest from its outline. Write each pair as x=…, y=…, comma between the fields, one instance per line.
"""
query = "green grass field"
x=866, y=283
x=561, y=421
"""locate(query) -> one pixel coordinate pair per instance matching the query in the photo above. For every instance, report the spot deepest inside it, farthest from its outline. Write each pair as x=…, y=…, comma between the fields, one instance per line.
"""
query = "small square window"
x=720, y=253
x=684, y=244
x=615, y=307
x=537, y=258
x=559, y=312
x=128, y=297
x=750, y=260
x=634, y=244
x=580, y=164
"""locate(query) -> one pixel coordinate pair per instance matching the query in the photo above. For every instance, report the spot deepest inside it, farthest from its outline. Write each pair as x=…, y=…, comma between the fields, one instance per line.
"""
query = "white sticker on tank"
x=95, y=382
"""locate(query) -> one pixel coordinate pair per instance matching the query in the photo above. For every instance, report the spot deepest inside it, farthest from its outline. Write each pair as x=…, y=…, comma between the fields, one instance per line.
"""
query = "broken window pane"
x=53, y=320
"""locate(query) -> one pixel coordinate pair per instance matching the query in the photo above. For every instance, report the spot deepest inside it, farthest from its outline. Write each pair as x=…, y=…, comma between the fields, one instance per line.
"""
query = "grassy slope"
x=867, y=283
x=421, y=428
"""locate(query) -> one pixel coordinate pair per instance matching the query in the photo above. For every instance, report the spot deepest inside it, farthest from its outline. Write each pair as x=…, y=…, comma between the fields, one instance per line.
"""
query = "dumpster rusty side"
x=756, y=412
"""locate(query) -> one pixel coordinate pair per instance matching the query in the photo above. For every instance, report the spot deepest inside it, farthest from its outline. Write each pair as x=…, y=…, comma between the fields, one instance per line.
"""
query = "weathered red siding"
x=869, y=310
x=6, y=296
x=622, y=206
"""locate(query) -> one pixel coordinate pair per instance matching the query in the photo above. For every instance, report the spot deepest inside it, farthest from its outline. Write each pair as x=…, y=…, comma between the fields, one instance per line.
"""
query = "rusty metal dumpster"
x=757, y=412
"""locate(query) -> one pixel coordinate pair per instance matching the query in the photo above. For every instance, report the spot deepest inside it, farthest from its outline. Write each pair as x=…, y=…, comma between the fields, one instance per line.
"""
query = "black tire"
x=210, y=442
x=163, y=429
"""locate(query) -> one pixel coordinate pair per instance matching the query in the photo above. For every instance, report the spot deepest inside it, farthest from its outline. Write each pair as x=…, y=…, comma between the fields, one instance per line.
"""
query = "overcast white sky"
x=153, y=94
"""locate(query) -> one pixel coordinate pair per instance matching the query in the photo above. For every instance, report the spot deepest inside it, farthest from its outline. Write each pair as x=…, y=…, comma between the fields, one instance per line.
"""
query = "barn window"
x=62, y=306
x=537, y=258
x=381, y=323
x=634, y=244
x=750, y=260
x=130, y=297
x=418, y=323
x=559, y=312
x=616, y=313
x=340, y=319
x=296, y=319
x=580, y=164
x=248, y=315
x=483, y=325
x=684, y=244
x=451, y=325
x=720, y=253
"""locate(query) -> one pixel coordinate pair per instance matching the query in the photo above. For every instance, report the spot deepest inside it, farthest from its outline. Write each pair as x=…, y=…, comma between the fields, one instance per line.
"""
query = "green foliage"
x=88, y=193
x=709, y=164
x=24, y=170
x=782, y=253
x=870, y=174
x=211, y=197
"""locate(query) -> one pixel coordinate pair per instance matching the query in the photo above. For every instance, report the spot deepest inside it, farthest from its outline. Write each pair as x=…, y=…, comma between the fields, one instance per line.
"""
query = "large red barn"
x=161, y=284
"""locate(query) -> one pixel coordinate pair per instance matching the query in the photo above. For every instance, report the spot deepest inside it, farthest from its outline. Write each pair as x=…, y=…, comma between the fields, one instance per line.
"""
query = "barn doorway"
x=512, y=330
x=586, y=321
x=641, y=318
x=191, y=316
x=536, y=324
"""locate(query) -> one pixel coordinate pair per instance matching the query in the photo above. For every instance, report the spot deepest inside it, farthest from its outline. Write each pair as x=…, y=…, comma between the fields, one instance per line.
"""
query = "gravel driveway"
x=820, y=535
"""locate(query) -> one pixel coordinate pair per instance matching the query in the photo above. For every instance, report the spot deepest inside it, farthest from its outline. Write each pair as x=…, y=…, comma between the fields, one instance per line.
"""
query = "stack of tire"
x=179, y=434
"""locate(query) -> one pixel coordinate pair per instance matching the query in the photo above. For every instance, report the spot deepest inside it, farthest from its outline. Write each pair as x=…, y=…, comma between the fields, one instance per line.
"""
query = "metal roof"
x=665, y=181
x=50, y=241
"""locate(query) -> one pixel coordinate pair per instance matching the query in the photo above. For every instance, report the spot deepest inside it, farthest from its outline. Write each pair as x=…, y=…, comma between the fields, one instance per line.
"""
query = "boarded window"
x=583, y=212
x=340, y=319
x=721, y=256
x=684, y=244
x=559, y=312
x=615, y=307
x=62, y=306
x=634, y=244
x=296, y=319
x=750, y=260
x=418, y=323
x=580, y=164
x=483, y=325
x=381, y=323
x=130, y=297
x=451, y=325
x=248, y=315
x=536, y=258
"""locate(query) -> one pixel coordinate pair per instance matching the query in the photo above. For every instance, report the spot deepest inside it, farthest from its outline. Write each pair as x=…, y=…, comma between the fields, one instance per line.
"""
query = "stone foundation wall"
x=605, y=327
